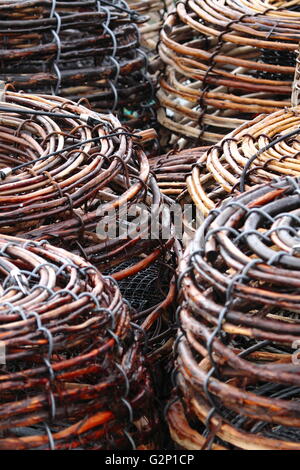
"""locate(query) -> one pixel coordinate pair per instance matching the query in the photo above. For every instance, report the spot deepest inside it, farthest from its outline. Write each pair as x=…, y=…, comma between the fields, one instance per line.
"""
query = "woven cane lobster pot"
x=256, y=152
x=74, y=376
x=238, y=344
x=84, y=49
x=52, y=165
x=225, y=62
x=98, y=169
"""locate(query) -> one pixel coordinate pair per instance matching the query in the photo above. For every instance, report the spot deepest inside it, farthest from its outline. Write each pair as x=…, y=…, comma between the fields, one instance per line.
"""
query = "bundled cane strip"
x=74, y=376
x=237, y=348
x=80, y=50
x=155, y=12
x=256, y=152
x=172, y=169
x=225, y=62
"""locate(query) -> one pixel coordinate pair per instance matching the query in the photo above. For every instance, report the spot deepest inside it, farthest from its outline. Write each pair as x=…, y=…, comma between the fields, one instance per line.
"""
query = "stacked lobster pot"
x=257, y=152
x=81, y=50
x=171, y=170
x=237, y=351
x=82, y=182
x=72, y=372
x=225, y=62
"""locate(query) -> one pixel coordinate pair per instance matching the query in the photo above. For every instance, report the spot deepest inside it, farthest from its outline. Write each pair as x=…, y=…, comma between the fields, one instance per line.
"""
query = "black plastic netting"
x=278, y=58
x=147, y=288
x=283, y=58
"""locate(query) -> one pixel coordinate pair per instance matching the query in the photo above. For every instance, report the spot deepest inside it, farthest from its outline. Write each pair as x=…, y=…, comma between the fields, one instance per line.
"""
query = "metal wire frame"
x=74, y=376
x=224, y=64
x=239, y=319
x=87, y=49
x=264, y=142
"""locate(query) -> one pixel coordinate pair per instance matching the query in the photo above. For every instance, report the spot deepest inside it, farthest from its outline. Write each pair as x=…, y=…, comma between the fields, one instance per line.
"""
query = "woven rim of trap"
x=85, y=49
x=74, y=375
x=172, y=169
x=218, y=172
x=47, y=190
x=239, y=321
x=217, y=73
